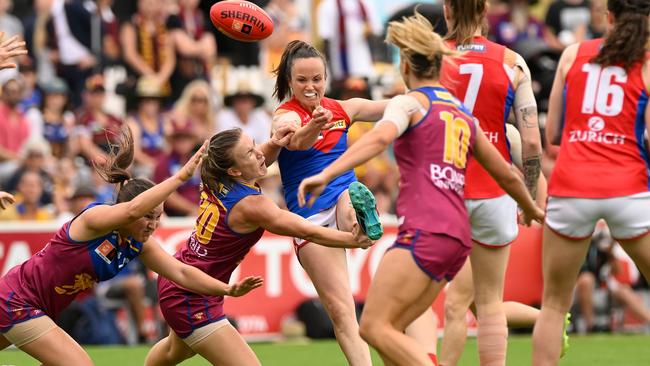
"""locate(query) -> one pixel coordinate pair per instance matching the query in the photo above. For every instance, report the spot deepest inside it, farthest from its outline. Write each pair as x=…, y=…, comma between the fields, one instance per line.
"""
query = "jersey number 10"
x=601, y=93
x=457, y=133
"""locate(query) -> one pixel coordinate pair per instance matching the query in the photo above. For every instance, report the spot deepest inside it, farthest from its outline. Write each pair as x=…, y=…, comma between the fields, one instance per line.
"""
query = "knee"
x=455, y=310
x=341, y=314
x=370, y=331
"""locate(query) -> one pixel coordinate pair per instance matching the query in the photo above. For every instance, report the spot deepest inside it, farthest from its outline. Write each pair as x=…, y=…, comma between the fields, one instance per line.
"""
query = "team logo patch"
x=406, y=238
x=106, y=251
x=246, y=28
x=198, y=316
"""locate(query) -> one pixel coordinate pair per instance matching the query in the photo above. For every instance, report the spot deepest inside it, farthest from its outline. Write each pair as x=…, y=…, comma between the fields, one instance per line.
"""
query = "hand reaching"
x=360, y=237
x=313, y=185
x=187, y=171
x=9, y=49
x=6, y=199
x=245, y=286
x=282, y=136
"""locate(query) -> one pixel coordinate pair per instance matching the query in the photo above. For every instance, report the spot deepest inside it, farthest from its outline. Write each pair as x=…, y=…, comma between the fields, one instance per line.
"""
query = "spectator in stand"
x=196, y=107
x=598, y=24
x=73, y=36
x=36, y=158
x=566, y=20
x=41, y=46
x=111, y=51
x=347, y=27
x=607, y=266
x=242, y=110
x=513, y=24
x=32, y=97
x=288, y=25
x=148, y=48
x=97, y=129
x=28, y=198
x=57, y=120
x=9, y=24
x=148, y=125
x=82, y=196
x=185, y=201
x=196, y=48
x=14, y=127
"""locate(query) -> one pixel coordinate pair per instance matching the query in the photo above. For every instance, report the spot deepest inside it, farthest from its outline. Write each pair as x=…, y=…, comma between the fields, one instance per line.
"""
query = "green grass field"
x=600, y=350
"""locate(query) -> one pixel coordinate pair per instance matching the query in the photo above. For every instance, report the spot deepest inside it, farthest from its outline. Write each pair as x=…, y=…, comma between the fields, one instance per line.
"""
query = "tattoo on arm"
x=529, y=117
x=532, y=166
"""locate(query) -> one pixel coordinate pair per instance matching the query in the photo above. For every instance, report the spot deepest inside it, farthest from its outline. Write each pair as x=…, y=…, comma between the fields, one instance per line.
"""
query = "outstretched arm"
x=260, y=211
x=156, y=259
x=280, y=138
x=100, y=220
x=364, y=110
x=305, y=136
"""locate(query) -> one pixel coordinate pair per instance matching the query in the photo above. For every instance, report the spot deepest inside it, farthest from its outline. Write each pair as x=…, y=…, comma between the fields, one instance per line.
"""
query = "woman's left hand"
x=313, y=185
x=187, y=171
x=245, y=286
x=6, y=199
x=9, y=49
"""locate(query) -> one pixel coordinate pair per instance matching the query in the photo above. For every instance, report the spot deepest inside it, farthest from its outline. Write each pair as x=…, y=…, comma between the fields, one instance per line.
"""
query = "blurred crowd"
x=161, y=68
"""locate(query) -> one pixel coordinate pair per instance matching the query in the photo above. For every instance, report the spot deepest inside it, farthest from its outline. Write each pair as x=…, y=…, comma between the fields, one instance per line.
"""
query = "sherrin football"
x=241, y=20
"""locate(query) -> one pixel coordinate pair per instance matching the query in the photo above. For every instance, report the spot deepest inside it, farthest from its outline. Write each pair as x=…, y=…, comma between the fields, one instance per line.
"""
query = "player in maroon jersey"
x=435, y=138
x=232, y=217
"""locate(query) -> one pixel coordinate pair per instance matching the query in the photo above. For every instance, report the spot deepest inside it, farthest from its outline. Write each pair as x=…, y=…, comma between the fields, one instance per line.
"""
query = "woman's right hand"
x=314, y=185
x=322, y=118
x=533, y=214
x=360, y=238
x=6, y=199
x=187, y=171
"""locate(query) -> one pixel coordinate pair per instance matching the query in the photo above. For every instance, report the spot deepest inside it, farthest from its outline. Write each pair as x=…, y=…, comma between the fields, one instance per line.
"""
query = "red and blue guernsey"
x=215, y=249
x=603, y=152
x=432, y=156
x=480, y=78
x=298, y=165
x=48, y=281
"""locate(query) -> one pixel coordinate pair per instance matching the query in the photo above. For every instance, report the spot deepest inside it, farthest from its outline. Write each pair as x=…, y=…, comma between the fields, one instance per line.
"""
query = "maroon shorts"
x=438, y=255
x=186, y=311
x=14, y=305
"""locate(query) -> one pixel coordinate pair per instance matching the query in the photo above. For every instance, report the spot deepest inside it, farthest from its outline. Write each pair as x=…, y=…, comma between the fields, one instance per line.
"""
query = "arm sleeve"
x=399, y=111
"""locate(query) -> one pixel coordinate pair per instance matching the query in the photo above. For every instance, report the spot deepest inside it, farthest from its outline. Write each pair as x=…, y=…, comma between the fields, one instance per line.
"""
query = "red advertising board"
x=261, y=312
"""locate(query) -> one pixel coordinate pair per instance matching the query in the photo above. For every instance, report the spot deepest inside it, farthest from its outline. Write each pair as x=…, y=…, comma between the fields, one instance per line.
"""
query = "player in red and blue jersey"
x=435, y=139
x=94, y=246
x=492, y=81
x=232, y=218
x=321, y=138
x=599, y=115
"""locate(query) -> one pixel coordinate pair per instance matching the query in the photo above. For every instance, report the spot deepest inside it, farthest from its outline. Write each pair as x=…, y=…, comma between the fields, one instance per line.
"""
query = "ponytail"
x=627, y=42
x=466, y=15
x=115, y=170
x=214, y=169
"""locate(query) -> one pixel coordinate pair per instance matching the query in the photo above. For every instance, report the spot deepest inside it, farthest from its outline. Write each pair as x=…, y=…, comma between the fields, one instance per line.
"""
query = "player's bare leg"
x=399, y=293
x=458, y=298
x=488, y=273
x=226, y=347
x=170, y=350
x=561, y=261
x=57, y=348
